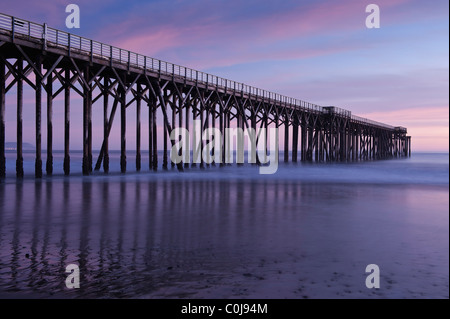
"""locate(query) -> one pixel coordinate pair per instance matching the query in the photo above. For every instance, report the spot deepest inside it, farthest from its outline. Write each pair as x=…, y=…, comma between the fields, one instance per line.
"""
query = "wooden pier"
x=54, y=62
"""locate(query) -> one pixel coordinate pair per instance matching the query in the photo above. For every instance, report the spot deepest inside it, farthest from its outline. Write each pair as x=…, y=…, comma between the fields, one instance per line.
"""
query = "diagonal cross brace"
x=166, y=120
x=110, y=122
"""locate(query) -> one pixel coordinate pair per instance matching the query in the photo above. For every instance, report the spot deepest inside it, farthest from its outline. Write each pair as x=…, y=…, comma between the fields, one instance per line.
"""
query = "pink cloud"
x=428, y=126
x=205, y=39
x=151, y=43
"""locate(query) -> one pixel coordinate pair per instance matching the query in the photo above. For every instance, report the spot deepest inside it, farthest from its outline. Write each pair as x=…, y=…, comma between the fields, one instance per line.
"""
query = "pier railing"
x=76, y=44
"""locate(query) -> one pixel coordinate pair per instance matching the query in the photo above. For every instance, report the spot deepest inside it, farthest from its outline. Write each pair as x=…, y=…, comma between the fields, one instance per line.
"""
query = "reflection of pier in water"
x=140, y=235
x=63, y=63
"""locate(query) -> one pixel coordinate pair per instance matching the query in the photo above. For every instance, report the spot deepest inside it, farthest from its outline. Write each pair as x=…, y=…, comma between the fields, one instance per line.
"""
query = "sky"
x=317, y=51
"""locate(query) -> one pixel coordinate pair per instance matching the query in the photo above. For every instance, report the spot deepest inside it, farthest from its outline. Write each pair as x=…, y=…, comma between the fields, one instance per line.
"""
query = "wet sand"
x=181, y=237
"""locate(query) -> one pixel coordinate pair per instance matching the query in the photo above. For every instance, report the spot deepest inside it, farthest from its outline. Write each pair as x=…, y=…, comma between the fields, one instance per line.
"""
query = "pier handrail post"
x=13, y=24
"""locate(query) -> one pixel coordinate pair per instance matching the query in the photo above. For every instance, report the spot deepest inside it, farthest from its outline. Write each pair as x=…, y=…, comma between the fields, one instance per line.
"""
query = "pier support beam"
x=310, y=143
x=165, y=156
x=319, y=150
x=194, y=136
x=354, y=145
x=329, y=143
x=67, y=122
x=227, y=137
x=123, y=130
x=19, y=160
x=186, y=146
x=168, y=126
x=138, y=128
x=240, y=159
x=87, y=124
x=155, y=138
x=213, y=126
x=174, y=113
x=165, y=137
x=222, y=130
x=49, y=89
x=409, y=148
x=106, y=83
x=205, y=129
x=255, y=161
x=150, y=135
x=286, y=139
x=38, y=161
x=342, y=144
x=152, y=138
x=303, y=144
x=317, y=144
x=2, y=118
x=295, y=130
x=265, y=136
x=200, y=142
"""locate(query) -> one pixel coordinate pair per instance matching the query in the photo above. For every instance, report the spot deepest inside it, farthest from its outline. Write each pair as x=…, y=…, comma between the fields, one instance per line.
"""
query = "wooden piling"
x=165, y=156
x=183, y=148
x=174, y=112
x=165, y=139
x=342, y=144
x=138, y=128
x=266, y=137
x=155, y=140
x=229, y=155
x=310, y=143
x=150, y=135
x=86, y=113
x=89, y=121
x=2, y=118
x=316, y=144
x=106, y=83
x=213, y=126
x=295, y=132
x=49, y=162
x=205, y=129
x=123, y=129
x=67, y=122
x=286, y=139
x=253, y=127
x=187, y=147
x=202, y=163
x=409, y=147
x=19, y=160
x=38, y=115
x=303, y=142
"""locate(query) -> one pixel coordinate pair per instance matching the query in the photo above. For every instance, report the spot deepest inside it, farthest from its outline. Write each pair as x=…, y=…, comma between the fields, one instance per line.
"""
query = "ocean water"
x=308, y=231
